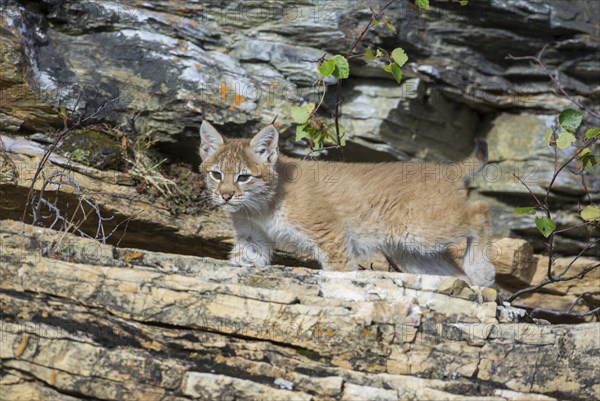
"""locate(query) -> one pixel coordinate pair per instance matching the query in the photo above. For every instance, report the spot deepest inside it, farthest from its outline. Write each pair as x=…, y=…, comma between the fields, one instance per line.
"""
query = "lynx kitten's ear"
x=210, y=140
x=265, y=144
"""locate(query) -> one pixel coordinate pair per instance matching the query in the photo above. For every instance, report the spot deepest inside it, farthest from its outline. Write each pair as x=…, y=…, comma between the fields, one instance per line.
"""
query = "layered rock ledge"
x=102, y=322
x=136, y=221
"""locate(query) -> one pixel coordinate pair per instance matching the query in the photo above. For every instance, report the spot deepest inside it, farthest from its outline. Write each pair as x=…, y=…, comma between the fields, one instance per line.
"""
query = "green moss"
x=80, y=156
x=93, y=148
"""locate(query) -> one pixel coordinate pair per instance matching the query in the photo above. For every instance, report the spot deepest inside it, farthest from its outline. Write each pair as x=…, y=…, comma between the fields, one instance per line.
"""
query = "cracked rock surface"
x=135, y=324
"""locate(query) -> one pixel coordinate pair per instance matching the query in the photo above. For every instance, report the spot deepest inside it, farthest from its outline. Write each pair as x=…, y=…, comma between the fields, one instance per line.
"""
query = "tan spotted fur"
x=340, y=212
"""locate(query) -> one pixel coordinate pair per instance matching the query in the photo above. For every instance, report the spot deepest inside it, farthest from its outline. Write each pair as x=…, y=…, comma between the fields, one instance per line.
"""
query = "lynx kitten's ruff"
x=410, y=211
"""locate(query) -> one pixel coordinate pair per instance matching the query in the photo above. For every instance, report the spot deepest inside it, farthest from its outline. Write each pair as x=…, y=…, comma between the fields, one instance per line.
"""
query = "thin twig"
x=73, y=223
x=557, y=84
x=313, y=151
x=392, y=264
x=586, y=144
x=338, y=91
x=547, y=281
x=538, y=311
x=61, y=135
x=563, y=230
x=540, y=204
x=586, y=248
x=544, y=204
x=581, y=174
x=338, y=100
x=580, y=296
x=555, y=153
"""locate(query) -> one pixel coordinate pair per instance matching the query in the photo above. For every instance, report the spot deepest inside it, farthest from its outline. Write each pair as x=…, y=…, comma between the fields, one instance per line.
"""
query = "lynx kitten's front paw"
x=249, y=254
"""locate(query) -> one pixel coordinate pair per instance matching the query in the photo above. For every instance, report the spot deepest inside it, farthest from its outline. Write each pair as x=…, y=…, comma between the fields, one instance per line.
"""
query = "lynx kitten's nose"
x=227, y=196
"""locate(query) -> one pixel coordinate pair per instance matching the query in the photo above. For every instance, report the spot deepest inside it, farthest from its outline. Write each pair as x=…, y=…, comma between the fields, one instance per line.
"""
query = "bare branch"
x=553, y=279
x=537, y=60
x=586, y=248
x=61, y=135
x=569, y=313
x=541, y=205
x=586, y=144
x=544, y=204
x=338, y=91
x=585, y=294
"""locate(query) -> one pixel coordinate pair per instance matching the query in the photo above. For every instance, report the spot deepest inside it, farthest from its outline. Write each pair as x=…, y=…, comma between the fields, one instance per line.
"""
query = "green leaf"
x=587, y=159
x=369, y=54
x=381, y=52
x=62, y=112
x=565, y=139
x=397, y=72
x=342, y=135
x=342, y=68
x=589, y=162
x=422, y=4
x=592, y=133
x=399, y=56
x=326, y=68
x=548, y=136
x=319, y=138
x=390, y=26
x=545, y=225
x=570, y=119
x=525, y=210
x=330, y=137
x=463, y=2
x=302, y=132
x=590, y=212
x=388, y=68
x=300, y=114
x=374, y=21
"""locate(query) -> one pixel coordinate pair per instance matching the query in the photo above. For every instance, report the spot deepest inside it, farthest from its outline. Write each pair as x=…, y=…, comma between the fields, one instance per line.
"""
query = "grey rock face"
x=241, y=63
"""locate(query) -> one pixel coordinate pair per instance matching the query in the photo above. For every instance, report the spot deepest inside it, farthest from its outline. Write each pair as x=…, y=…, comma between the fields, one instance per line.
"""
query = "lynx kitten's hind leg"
x=476, y=262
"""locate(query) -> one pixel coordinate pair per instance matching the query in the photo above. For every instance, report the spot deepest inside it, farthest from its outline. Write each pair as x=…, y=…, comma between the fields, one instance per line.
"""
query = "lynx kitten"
x=410, y=211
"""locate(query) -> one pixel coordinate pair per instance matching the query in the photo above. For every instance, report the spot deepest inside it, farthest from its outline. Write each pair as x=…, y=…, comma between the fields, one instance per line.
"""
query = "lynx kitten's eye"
x=243, y=177
x=216, y=175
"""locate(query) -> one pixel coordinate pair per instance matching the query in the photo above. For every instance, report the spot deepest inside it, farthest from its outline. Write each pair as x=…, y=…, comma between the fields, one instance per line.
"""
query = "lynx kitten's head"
x=239, y=173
